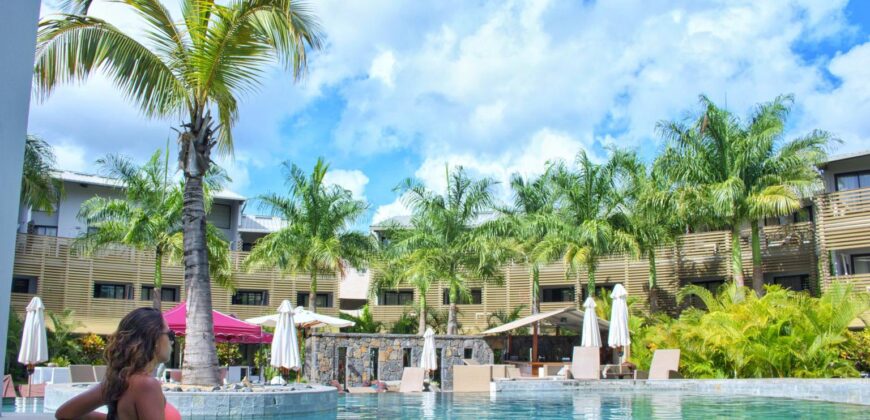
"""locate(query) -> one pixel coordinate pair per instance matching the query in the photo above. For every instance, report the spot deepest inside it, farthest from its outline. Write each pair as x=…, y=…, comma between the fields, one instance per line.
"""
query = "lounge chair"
x=32, y=391
x=361, y=390
x=471, y=378
x=82, y=374
x=9, y=387
x=412, y=380
x=99, y=372
x=665, y=365
x=586, y=363
x=471, y=362
x=513, y=372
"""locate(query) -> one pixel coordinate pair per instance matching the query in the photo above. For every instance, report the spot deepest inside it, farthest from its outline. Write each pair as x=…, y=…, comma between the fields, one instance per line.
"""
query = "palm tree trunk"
x=536, y=290
x=421, y=322
x=452, y=325
x=158, y=280
x=757, y=269
x=653, y=282
x=200, y=356
x=312, y=295
x=590, y=281
x=736, y=255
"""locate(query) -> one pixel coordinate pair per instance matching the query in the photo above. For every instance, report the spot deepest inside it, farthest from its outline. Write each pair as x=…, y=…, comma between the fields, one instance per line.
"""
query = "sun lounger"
x=32, y=391
x=665, y=365
x=513, y=372
x=586, y=363
x=471, y=362
x=8, y=387
x=82, y=373
x=471, y=378
x=412, y=380
x=361, y=390
x=99, y=372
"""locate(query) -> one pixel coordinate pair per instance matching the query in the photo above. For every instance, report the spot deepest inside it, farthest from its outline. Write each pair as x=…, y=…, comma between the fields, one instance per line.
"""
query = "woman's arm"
x=150, y=402
x=82, y=406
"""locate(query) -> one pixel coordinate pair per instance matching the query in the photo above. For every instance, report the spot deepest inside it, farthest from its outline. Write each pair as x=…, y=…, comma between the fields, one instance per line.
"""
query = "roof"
x=91, y=179
x=264, y=224
x=405, y=221
x=567, y=318
x=844, y=156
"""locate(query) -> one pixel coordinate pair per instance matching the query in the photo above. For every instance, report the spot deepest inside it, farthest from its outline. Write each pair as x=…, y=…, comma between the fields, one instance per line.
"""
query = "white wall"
x=68, y=224
x=859, y=163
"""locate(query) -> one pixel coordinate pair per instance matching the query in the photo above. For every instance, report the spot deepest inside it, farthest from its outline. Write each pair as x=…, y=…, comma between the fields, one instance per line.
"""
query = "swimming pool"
x=566, y=404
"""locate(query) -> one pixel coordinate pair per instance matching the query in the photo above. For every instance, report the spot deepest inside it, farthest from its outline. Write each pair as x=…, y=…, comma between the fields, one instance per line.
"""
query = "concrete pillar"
x=18, y=35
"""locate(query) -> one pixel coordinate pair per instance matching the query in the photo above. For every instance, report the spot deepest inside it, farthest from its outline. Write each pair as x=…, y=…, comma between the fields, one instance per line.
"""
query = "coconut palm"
x=40, y=190
x=394, y=266
x=363, y=323
x=589, y=220
x=185, y=68
x=445, y=239
x=317, y=238
x=739, y=172
x=501, y=317
x=149, y=217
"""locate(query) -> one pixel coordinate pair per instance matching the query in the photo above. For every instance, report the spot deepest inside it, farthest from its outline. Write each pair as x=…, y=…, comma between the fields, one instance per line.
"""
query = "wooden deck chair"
x=586, y=363
x=361, y=390
x=412, y=380
x=9, y=387
x=470, y=362
x=471, y=378
x=513, y=372
x=665, y=365
x=99, y=372
x=82, y=373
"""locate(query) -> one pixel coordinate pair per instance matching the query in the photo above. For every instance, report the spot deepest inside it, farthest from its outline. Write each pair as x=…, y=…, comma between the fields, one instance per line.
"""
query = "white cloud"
x=382, y=68
x=353, y=180
x=386, y=211
x=70, y=156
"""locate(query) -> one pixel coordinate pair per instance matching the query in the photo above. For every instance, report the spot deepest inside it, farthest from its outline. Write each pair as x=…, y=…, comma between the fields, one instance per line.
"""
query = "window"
x=373, y=362
x=803, y=215
x=45, y=230
x=397, y=297
x=342, y=366
x=476, y=297
x=467, y=353
x=406, y=357
x=251, y=297
x=24, y=284
x=220, y=215
x=861, y=264
x=324, y=300
x=600, y=290
x=167, y=293
x=113, y=291
x=557, y=294
x=796, y=283
x=853, y=180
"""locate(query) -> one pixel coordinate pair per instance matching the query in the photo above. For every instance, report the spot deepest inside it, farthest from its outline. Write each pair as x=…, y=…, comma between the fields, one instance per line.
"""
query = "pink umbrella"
x=226, y=328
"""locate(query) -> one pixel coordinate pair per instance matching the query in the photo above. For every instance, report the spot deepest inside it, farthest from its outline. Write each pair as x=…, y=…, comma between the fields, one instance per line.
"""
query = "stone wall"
x=322, y=356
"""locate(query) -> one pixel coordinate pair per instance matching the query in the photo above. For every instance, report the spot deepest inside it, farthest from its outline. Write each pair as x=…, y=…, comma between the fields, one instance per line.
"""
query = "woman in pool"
x=141, y=342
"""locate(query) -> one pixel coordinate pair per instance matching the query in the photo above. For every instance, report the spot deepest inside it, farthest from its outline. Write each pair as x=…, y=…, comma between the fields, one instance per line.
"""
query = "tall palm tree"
x=739, y=172
x=317, y=238
x=590, y=218
x=395, y=265
x=446, y=240
x=149, y=218
x=40, y=190
x=187, y=68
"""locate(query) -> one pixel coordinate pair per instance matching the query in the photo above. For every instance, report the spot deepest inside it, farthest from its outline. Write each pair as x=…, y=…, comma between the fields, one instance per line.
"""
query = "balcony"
x=844, y=219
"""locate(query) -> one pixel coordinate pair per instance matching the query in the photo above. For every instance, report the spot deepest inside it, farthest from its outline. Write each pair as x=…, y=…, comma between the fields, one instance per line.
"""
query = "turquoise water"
x=561, y=405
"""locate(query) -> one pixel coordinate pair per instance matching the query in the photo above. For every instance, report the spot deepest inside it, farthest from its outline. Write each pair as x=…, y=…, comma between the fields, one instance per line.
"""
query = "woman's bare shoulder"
x=139, y=383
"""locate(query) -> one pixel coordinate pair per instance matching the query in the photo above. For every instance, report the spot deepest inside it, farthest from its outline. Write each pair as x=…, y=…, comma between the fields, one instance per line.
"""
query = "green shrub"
x=228, y=354
x=856, y=349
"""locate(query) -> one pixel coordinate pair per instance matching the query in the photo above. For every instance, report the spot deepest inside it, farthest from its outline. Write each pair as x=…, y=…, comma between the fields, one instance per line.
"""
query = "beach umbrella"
x=34, y=343
x=428, y=360
x=618, y=336
x=591, y=334
x=303, y=318
x=285, y=345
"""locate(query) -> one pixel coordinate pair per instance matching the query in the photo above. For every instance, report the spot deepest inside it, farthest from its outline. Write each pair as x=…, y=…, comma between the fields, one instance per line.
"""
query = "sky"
x=405, y=89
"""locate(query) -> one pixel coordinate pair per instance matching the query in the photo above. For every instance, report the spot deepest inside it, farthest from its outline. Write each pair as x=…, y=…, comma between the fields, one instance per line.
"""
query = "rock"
x=217, y=388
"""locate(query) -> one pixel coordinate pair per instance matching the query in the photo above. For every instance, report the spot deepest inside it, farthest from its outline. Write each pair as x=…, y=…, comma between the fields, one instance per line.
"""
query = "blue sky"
x=403, y=88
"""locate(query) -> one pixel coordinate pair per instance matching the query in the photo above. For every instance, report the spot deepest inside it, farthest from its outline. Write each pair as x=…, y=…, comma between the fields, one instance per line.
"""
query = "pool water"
x=561, y=405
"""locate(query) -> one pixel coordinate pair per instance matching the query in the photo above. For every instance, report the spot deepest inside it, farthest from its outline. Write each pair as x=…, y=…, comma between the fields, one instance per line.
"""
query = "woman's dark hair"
x=129, y=351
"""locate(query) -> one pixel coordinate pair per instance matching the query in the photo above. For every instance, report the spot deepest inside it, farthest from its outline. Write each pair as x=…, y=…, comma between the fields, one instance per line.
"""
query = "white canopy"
x=428, y=359
x=285, y=345
x=567, y=317
x=303, y=318
x=591, y=333
x=618, y=336
x=34, y=343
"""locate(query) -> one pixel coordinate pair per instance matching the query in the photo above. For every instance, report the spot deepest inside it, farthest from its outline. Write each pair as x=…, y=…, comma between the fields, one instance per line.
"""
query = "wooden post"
x=534, y=344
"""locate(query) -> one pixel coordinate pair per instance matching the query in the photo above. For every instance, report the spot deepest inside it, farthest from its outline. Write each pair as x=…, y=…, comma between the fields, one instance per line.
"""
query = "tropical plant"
x=445, y=240
x=149, y=217
x=590, y=219
x=317, y=238
x=737, y=172
x=40, y=189
x=405, y=324
x=501, y=317
x=364, y=323
x=13, y=346
x=61, y=335
x=856, y=349
x=394, y=266
x=228, y=354
x=740, y=335
x=92, y=347
x=186, y=68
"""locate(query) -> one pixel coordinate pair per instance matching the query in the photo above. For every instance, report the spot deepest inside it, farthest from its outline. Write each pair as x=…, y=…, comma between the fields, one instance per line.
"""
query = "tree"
x=394, y=266
x=501, y=317
x=149, y=217
x=40, y=190
x=590, y=219
x=446, y=240
x=739, y=172
x=364, y=323
x=186, y=69
x=317, y=238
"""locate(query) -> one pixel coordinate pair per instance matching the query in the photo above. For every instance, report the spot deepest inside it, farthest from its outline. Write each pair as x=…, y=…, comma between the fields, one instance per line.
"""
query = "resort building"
x=103, y=288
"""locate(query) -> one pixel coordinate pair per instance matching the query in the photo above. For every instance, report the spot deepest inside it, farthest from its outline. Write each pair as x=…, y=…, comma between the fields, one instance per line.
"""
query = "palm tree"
x=40, y=190
x=740, y=172
x=446, y=241
x=394, y=266
x=187, y=69
x=590, y=218
x=317, y=238
x=501, y=317
x=149, y=218
x=364, y=323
